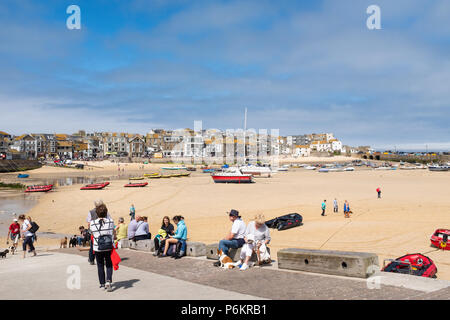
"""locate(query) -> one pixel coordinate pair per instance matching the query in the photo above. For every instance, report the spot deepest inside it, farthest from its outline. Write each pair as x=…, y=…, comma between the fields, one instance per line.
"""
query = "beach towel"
x=115, y=259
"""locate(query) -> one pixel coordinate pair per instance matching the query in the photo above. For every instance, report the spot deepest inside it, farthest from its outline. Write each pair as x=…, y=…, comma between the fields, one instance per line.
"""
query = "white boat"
x=256, y=170
x=324, y=170
x=310, y=168
x=407, y=168
x=336, y=169
x=385, y=168
x=349, y=169
x=282, y=169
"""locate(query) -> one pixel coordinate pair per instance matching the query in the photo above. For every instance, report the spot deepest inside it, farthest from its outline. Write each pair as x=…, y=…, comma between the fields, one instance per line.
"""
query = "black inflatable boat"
x=285, y=222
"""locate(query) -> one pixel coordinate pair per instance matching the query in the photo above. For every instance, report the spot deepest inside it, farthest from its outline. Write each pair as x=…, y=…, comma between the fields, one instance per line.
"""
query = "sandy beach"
x=413, y=205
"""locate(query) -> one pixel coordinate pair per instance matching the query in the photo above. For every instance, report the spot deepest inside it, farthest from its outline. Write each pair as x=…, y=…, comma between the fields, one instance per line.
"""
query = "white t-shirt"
x=260, y=234
x=25, y=226
x=97, y=230
x=238, y=229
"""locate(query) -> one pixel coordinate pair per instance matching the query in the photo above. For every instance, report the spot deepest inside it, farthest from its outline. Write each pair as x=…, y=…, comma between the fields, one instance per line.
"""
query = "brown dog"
x=63, y=243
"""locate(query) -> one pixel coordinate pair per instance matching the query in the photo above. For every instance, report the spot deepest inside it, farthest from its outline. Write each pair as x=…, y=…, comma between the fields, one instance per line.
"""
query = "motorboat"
x=151, y=174
x=310, y=168
x=349, y=169
x=156, y=176
x=94, y=186
x=413, y=264
x=136, y=178
x=173, y=168
x=39, y=188
x=139, y=184
x=385, y=168
x=256, y=170
x=438, y=168
x=23, y=175
x=209, y=170
x=324, y=170
x=232, y=175
x=439, y=239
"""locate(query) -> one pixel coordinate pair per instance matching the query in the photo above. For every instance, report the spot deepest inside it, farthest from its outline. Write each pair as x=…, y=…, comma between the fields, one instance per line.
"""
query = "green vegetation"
x=12, y=185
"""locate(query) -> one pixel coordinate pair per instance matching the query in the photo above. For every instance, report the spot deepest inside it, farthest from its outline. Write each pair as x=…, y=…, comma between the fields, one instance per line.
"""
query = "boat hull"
x=136, y=185
x=232, y=179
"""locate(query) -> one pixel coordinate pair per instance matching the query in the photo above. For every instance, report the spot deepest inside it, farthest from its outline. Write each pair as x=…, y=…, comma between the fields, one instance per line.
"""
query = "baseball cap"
x=233, y=213
x=15, y=220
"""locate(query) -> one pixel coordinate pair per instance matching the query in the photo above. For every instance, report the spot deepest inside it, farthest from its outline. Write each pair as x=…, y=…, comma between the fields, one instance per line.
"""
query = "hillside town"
x=160, y=143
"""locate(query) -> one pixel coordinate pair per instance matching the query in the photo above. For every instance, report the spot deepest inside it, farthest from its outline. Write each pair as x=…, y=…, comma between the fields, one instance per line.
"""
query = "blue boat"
x=208, y=170
x=23, y=175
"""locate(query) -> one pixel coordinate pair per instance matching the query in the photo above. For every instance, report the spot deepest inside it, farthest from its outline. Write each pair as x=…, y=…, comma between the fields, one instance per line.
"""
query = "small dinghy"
x=285, y=222
x=95, y=186
x=191, y=169
x=39, y=188
x=140, y=184
x=439, y=239
x=413, y=264
x=23, y=175
x=310, y=168
x=151, y=174
x=324, y=170
x=136, y=178
x=156, y=176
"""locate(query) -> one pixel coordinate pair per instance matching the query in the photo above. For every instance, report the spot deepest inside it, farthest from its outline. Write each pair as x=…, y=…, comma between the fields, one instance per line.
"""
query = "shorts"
x=15, y=237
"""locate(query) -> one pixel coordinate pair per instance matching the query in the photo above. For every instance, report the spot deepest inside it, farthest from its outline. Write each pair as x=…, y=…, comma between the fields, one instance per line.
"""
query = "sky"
x=297, y=66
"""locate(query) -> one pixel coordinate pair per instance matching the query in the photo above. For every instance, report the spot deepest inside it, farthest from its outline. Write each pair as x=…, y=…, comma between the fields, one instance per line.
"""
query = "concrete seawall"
x=18, y=165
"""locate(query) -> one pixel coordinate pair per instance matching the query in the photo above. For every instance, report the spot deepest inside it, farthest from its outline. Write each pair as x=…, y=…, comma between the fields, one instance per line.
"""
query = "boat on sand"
x=232, y=175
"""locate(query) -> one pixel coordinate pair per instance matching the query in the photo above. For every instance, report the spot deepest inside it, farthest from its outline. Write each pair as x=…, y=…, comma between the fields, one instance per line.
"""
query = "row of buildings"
x=161, y=143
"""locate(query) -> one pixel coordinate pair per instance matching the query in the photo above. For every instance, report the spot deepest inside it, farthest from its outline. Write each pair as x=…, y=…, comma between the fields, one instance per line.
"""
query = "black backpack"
x=34, y=227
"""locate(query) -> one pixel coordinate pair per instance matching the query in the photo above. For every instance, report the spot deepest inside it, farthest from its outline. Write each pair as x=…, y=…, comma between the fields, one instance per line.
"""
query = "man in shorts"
x=14, y=234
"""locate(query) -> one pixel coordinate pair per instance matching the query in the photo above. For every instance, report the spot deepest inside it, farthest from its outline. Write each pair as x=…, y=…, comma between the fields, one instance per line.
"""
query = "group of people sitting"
x=253, y=239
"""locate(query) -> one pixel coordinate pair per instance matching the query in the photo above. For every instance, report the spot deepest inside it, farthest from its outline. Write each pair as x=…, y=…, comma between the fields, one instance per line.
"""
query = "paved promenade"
x=142, y=276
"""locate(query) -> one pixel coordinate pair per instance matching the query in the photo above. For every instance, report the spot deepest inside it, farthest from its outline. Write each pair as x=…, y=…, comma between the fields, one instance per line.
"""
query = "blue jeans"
x=226, y=245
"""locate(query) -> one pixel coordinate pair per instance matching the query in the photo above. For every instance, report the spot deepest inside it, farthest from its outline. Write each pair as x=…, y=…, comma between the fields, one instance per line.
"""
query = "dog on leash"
x=3, y=254
x=73, y=242
x=12, y=249
x=63, y=243
x=225, y=261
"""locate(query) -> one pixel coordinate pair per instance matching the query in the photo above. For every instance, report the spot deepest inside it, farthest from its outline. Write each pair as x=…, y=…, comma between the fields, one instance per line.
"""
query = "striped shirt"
x=97, y=229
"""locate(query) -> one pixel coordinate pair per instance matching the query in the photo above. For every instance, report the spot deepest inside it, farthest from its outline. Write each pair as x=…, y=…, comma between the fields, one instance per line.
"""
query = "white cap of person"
x=15, y=220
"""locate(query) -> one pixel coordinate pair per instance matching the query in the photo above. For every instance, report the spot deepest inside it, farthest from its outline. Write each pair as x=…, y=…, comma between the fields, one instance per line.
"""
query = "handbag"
x=105, y=242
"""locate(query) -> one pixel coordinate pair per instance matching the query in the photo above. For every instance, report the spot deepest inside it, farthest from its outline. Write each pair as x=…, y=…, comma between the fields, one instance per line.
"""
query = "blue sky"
x=298, y=66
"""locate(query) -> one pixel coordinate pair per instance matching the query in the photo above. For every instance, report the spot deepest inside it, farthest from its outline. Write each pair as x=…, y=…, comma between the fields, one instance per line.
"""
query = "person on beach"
x=324, y=207
x=91, y=217
x=85, y=235
x=103, y=233
x=335, y=205
x=27, y=235
x=121, y=230
x=142, y=232
x=379, y=192
x=164, y=232
x=132, y=212
x=132, y=227
x=234, y=239
x=180, y=236
x=257, y=237
x=14, y=234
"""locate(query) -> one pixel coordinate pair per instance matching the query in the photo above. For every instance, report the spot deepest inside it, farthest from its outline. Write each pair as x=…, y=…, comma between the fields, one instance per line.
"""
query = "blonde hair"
x=259, y=219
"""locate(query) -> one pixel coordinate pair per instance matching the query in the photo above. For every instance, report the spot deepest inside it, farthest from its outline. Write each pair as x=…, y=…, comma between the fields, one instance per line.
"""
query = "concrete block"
x=342, y=263
x=145, y=245
x=123, y=243
x=132, y=244
x=211, y=251
x=195, y=249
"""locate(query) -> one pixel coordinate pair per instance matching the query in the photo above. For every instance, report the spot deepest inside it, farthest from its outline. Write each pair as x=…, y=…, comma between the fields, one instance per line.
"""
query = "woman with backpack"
x=27, y=235
x=103, y=233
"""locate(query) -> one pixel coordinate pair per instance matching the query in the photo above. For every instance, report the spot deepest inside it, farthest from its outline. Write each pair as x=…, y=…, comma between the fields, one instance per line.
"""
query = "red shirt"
x=14, y=228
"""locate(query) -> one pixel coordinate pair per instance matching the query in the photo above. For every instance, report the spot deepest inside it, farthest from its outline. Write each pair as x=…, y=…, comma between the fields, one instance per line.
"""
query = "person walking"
x=103, y=234
x=335, y=205
x=27, y=235
x=91, y=217
x=14, y=234
x=346, y=209
x=132, y=212
x=379, y=192
x=324, y=207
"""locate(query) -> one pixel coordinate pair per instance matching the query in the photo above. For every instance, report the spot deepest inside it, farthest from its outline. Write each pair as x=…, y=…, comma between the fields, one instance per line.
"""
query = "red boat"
x=232, y=175
x=439, y=239
x=43, y=188
x=414, y=264
x=140, y=184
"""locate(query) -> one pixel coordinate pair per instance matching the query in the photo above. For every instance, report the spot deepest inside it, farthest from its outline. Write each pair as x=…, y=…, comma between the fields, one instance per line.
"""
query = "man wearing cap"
x=91, y=217
x=14, y=234
x=235, y=239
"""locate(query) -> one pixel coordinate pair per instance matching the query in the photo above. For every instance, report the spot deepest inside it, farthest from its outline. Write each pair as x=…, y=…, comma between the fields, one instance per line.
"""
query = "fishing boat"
x=324, y=170
x=336, y=169
x=136, y=178
x=439, y=239
x=209, y=170
x=349, y=169
x=191, y=169
x=232, y=175
x=39, y=188
x=138, y=184
x=173, y=168
x=185, y=174
x=175, y=175
x=310, y=168
x=282, y=169
x=23, y=175
x=413, y=264
x=385, y=168
x=166, y=176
